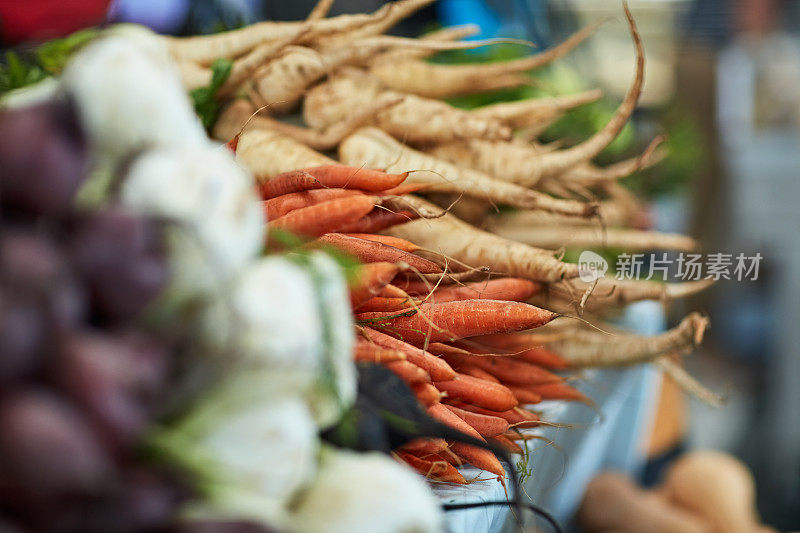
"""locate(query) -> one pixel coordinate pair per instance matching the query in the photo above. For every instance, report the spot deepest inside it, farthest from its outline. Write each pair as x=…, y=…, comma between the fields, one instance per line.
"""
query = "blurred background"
x=723, y=81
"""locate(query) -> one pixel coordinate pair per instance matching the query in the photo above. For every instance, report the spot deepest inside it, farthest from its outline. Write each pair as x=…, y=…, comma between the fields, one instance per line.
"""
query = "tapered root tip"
x=699, y=324
x=688, y=288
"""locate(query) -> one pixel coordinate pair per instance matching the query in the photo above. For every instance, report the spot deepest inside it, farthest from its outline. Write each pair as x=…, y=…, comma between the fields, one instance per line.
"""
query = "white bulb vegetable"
x=220, y=221
x=367, y=492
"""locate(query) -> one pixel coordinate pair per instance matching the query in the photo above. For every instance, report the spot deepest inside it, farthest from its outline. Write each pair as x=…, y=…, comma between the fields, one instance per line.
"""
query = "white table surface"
x=607, y=438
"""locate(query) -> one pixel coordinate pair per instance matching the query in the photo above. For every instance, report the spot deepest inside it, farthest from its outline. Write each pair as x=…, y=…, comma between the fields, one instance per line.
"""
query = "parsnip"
x=520, y=164
x=373, y=148
x=415, y=120
x=454, y=238
x=590, y=348
x=442, y=81
x=231, y=44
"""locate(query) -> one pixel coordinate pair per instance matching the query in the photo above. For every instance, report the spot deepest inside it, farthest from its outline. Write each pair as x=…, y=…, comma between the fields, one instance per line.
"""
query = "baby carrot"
x=508, y=444
x=479, y=373
x=478, y=392
x=329, y=176
x=280, y=205
x=356, y=178
x=388, y=240
x=524, y=395
x=408, y=372
x=385, y=305
x=380, y=219
x=426, y=393
x=369, y=352
x=559, y=391
x=522, y=346
x=506, y=369
x=324, y=217
x=509, y=289
x=369, y=281
x=517, y=416
x=486, y=425
x=422, y=447
x=457, y=320
x=447, y=417
x=436, y=470
x=370, y=252
x=437, y=368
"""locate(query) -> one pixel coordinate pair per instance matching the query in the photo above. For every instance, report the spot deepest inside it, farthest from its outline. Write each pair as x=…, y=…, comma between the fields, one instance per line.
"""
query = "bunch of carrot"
x=452, y=342
x=448, y=289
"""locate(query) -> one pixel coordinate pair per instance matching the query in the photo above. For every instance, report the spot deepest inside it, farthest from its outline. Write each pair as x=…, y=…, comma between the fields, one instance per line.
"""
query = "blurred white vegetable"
x=366, y=492
x=30, y=95
x=129, y=96
x=252, y=449
x=334, y=389
x=269, y=323
x=220, y=222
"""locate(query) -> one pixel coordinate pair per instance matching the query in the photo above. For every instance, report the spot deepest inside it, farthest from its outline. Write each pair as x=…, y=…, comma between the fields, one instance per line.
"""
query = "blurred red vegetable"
x=46, y=19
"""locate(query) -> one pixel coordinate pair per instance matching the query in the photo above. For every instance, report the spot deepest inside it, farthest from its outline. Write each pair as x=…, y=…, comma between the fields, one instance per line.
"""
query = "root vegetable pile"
x=470, y=309
x=445, y=305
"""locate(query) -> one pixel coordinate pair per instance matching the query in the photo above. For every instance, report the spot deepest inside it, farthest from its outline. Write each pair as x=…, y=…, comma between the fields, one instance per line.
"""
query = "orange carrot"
x=442, y=349
x=437, y=368
x=509, y=289
x=408, y=372
x=478, y=392
x=507, y=443
x=329, y=176
x=418, y=287
x=483, y=459
x=324, y=217
x=391, y=291
x=539, y=355
x=279, y=206
x=405, y=188
x=524, y=347
x=506, y=369
x=524, y=395
x=388, y=240
x=479, y=373
x=371, y=278
x=369, y=352
x=380, y=219
x=425, y=446
x=487, y=426
x=288, y=182
x=233, y=143
x=426, y=393
x=456, y=320
x=356, y=178
x=370, y=252
x=449, y=457
x=517, y=417
x=559, y=391
x=385, y=305
x=436, y=470
x=447, y=417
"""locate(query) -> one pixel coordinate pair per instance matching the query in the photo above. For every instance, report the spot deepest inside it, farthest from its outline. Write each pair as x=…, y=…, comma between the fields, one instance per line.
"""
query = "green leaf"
x=17, y=73
x=53, y=55
x=205, y=98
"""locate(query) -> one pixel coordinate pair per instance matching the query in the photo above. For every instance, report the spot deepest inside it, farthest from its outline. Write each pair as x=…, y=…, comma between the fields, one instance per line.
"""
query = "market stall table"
x=606, y=437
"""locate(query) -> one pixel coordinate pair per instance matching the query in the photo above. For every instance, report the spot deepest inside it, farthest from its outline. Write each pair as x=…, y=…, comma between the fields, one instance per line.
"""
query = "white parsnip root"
x=582, y=237
x=442, y=81
x=687, y=383
x=373, y=148
x=590, y=348
x=454, y=238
